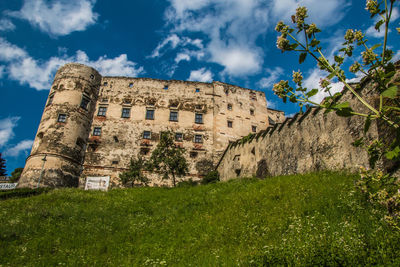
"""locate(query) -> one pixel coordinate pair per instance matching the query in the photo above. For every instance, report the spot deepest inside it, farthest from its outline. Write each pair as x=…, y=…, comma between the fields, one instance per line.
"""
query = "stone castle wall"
x=307, y=142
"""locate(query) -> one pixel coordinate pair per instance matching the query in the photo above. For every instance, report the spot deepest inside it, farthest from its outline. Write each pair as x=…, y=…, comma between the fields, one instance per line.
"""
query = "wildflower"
x=279, y=26
x=324, y=83
x=312, y=28
x=355, y=67
x=349, y=36
x=368, y=56
x=358, y=35
x=372, y=7
x=280, y=88
x=301, y=14
x=297, y=77
x=282, y=43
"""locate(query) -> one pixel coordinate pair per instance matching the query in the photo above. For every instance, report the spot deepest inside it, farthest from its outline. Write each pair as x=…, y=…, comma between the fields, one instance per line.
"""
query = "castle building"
x=93, y=125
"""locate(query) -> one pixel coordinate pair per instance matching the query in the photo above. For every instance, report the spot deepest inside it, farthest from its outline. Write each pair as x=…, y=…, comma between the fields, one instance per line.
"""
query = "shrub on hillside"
x=211, y=177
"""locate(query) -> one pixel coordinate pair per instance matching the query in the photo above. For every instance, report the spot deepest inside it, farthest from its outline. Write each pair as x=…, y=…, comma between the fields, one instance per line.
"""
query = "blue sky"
x=232, y=41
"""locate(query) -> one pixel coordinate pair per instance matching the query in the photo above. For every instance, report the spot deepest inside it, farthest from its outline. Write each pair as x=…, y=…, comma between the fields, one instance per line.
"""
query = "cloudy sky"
x=231, y=41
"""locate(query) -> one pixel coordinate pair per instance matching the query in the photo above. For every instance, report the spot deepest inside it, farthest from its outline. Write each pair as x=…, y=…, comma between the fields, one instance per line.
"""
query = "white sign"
x=97, y=183
x=8, y=186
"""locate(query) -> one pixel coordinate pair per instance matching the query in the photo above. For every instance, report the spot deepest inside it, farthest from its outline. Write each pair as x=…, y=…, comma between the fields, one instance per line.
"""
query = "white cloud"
x=323, y=13
x=39, y=74
x=173, y=40
x=273, y=76
x=58, y=17
x=182, y=56
x=7, y=126
x=22, y=146
x=201, y=75
x=372, y=32
x=6, y=25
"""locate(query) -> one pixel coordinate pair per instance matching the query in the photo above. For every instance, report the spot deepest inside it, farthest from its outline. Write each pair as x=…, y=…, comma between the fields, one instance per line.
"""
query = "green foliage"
x=135, y=173
x=2, y=166
x=23, y=192
x=168, y=159
x=187, y=183
x=16, y=174
x=211, y=177
x=303, y=220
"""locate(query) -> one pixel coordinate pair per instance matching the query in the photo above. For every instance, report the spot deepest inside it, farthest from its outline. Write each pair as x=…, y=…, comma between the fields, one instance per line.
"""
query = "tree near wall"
x=168, y=159
x=135, y=173
x=16, y=174
x=2, y=166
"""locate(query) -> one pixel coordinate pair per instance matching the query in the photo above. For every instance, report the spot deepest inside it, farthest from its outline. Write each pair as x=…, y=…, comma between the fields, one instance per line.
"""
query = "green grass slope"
x=313, y=219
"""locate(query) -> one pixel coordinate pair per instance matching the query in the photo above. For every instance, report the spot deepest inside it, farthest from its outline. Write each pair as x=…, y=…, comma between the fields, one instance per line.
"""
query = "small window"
x=165, y=87
x=105, y=83
x=179, y=137
x=173, y=116
x=197, y=90
x=252, y=112
x=230, y=123
x=116, y=139
x=149, y=114
x=85, y=102
x=130, y=85
x=198, y=118
x=102, y=111
x=146, y=135
x=115, y=162
x=97, y=131
x=254, y=129
x=62, y=118
x=193, y=154
x=198, y=138
x=144, y=150
x=229, y=106
x=50, y=101
x=91, y=76
x=226, y=91
x=126, y=113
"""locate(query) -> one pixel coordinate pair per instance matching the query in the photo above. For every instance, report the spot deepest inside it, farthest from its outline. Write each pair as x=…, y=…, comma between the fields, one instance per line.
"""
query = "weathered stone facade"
x=307, y=142
x=93, y=125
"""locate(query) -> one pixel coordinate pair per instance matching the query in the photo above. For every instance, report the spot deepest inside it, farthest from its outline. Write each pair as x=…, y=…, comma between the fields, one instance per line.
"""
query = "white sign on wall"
x=8, y=186
x=97, y=183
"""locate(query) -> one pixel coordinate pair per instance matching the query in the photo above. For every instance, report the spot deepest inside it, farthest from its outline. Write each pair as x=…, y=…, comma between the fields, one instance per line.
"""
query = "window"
x=144, y=150
x=198, y=138
x=91, y=76
x=193, y=154
x=271, y=121
x=115, y=162
x=130, y=85
x=198, y=118
x=146, y=135
x=179, y=137
x=252, y=112
x=173, y=116
x=165, y=87
x=62, y=118
x=50, y=101
x=254, y=129
x=97, y=131
x=197, y=90
x=85, y=102
x=105, y=83
x=116, y=139
x=126, y=113
x=230, y=124
x=229, y=106
x=102, y=111
x=149, y=114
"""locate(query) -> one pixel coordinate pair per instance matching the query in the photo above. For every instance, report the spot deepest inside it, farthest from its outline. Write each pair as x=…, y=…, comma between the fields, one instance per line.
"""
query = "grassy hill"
x=313, y=219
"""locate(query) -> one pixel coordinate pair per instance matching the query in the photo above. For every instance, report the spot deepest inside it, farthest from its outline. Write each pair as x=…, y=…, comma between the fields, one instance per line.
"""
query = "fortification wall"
x=307, y=142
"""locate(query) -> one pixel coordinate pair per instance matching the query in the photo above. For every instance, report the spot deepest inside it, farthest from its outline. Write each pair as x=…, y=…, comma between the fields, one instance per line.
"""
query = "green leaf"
x=375, y=46
x=367, y=124
x=343, y=105
x=330, y=76
x=314, y=42
x=302, y=57
x=344, y=112
x=359, y=142
x=313, y=92
x=378, y=25
x=391, y=92
x=393, y=153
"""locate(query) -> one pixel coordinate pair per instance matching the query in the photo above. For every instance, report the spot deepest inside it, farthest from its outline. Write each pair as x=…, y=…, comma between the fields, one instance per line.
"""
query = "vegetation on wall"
x=376, y=67
x=134, y=175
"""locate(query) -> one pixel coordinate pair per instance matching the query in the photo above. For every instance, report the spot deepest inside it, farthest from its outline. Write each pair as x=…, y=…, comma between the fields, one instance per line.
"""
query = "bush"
x=23, y=192
x=187, y=183
x=211, y=177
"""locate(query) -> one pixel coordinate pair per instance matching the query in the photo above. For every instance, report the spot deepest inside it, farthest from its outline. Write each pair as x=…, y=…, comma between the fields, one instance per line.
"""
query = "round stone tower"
x=60, y=143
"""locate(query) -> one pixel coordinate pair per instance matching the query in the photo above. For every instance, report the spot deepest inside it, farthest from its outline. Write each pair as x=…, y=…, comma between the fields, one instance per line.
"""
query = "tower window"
x=230, y=124
x=146, y=135
x=193, y=154
x=198, y=118
x=149, y=114
x=105, y=83
x=179, y=137
x=97, y=131
x=165, y=87
x=85, y=102
x=91, y=76
x=62, y=118
x=198, y=138
x=50, y=101
x=173, y=116
x=254, y=129
x=126, y=113
x=197, y=90
x=102, y=111
x=252, y=112
x=130, y=85
x=229, y=106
